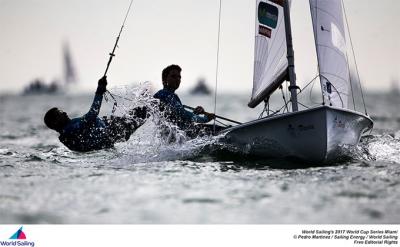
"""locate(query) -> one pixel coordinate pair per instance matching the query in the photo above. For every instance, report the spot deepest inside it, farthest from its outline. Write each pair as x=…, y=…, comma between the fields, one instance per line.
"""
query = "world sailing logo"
x=16, y=240
x=19, y=234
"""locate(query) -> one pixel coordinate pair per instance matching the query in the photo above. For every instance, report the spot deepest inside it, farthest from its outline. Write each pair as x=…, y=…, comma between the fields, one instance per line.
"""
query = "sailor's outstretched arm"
x=98, y=98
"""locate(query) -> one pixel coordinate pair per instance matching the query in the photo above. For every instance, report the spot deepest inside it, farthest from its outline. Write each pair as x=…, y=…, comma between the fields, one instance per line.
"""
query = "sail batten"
x=330, y=41
x=270, y=52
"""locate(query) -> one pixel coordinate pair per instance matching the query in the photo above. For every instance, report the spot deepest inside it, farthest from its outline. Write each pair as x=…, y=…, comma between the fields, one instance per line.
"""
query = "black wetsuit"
x=175, y=111
x=89, y=132
x=193, y=125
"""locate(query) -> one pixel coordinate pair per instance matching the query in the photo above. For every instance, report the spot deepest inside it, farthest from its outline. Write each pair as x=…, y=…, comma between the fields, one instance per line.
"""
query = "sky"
x=160, y=32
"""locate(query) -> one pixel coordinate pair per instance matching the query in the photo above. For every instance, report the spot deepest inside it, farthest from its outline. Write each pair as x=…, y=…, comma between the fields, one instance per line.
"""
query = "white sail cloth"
x=329, y=32
x=270, y=52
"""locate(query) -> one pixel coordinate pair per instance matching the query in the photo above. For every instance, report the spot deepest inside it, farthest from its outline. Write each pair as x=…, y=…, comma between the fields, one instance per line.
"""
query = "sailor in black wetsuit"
x=89, y=132
x=191, y=122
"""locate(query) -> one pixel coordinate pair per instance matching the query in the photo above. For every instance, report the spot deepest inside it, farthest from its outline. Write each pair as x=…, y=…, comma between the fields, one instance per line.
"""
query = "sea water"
x=146, y=180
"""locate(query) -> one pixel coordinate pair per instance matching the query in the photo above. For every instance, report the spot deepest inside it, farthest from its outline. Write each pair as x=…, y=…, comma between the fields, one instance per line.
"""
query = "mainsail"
x=270, y=52
x=329, y=32
x=69, y=71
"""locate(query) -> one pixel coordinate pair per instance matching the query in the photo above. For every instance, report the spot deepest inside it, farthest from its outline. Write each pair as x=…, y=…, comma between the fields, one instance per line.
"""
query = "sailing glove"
x=198, y=110
x=102, y=85
x=210, y=116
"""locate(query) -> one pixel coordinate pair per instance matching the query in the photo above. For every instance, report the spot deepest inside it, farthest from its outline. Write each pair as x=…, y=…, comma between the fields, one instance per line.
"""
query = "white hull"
x=313, y=135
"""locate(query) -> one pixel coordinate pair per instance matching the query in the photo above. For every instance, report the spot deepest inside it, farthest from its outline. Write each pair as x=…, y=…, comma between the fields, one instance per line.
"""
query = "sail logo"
x=265, y=31
x=17, y=239
x=268, y=14
x=279, y=2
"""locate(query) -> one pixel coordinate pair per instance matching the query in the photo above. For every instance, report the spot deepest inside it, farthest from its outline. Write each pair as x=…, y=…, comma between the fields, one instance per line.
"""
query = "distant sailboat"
x=70, y=76
x=315, y=134
x=38, y=86
x=395, y=87
x=200, y=88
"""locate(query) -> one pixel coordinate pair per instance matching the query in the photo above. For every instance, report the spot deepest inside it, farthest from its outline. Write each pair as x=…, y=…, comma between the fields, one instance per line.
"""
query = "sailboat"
x=39, y=87
x=315, y=134
x=200, y=88
x=70, y=76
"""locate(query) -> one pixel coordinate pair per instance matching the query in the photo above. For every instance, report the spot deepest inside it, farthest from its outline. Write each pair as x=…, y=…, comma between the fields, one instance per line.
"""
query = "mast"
x=290, y=56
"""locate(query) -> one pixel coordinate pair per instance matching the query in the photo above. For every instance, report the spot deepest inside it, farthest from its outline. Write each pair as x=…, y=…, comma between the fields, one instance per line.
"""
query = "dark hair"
x=50, y=117
x=168, y=69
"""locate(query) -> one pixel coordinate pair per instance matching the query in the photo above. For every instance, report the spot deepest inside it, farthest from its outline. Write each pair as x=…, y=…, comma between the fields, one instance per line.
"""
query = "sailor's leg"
x=121, y=128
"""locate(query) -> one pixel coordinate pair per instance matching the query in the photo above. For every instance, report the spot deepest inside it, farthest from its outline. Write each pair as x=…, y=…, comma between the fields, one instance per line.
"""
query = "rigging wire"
x=216, y=70
x=266, y=108
x=355, y=60
x=287, y=86
x=284, y=98
x=285, y=106
x=112, y=55
x=351, y=84
x=311, y=90
x=350, y=77
x=303, y=105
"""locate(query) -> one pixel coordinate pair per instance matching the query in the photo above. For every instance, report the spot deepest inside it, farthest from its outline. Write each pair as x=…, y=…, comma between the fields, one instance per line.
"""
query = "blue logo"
x=17, y=239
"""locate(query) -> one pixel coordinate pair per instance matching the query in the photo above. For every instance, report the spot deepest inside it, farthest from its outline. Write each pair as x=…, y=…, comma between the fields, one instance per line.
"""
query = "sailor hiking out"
x=89, y=132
